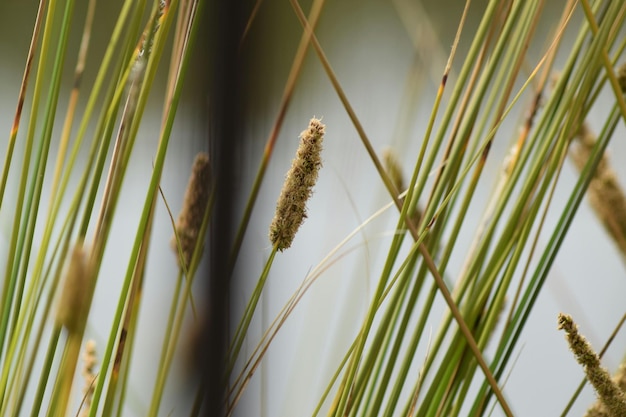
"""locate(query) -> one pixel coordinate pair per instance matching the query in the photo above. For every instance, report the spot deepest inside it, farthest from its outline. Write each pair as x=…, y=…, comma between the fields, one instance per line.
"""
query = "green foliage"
x=34, y=272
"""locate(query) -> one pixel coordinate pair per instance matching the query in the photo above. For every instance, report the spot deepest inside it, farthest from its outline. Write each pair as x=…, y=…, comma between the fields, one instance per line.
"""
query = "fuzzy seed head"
x=610, y=394
x=72, y=308
x=598, y=409
x=298, y=186
x=194, y=205
x=393, y=168
x=604, y=192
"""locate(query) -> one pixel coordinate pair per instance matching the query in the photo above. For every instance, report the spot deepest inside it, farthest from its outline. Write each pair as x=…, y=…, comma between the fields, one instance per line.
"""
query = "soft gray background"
x=372, y=55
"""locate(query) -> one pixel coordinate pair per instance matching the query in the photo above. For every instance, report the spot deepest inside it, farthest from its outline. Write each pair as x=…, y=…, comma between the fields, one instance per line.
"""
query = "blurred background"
x=389, y=57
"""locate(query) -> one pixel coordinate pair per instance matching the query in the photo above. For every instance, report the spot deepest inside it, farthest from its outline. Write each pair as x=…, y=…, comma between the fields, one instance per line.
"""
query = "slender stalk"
x=20, y=103
x=43, y=379
x=166, y=349
x=242, y=328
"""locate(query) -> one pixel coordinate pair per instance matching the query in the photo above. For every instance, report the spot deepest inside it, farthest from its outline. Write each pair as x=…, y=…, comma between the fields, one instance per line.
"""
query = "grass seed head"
x=73, y=303
x=194, y=205
x=298, y=186
x=604, y=192
x=607, y=390
x=598, y=409
x=394, y=169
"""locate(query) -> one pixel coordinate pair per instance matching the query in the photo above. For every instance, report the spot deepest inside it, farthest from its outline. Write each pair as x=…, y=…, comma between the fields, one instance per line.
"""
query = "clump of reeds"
x=194, y=205
x=298, y=186
x=38, y=374
x=607, y=390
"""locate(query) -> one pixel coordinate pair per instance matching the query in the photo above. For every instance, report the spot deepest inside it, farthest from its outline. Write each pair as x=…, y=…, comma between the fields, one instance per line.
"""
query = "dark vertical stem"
x=225, y=115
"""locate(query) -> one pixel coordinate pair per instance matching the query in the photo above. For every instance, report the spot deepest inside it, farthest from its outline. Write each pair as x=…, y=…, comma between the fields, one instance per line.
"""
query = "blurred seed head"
x=194, y=206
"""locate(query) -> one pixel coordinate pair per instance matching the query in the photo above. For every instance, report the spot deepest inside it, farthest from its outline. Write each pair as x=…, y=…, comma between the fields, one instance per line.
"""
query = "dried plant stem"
x=20, y=105
x=257, y=355
x=26, y=314
x=69, y=117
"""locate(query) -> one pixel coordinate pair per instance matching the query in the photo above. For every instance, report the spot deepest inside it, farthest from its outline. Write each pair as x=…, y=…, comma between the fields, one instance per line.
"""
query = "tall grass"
x=489, y=299
x=435, y=336
x=40, y=348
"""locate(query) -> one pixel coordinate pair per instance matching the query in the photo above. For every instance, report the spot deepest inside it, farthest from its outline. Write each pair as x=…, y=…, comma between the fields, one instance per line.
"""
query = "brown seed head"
x=394, y=169
x=298, y=186
x=598, y=409
x=72, y=308
x=610, y=394
x=605, y=192
x=194, y=205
